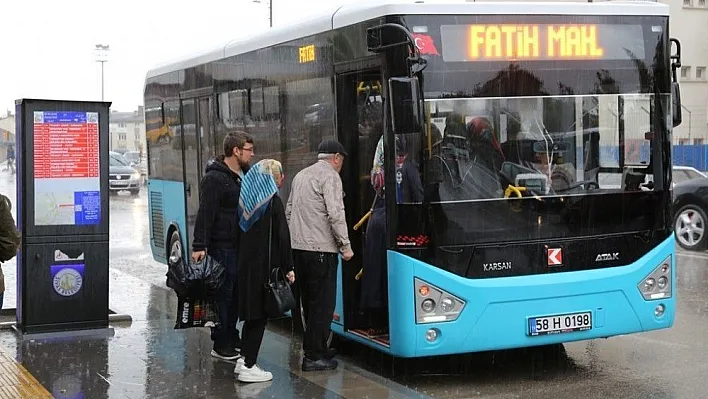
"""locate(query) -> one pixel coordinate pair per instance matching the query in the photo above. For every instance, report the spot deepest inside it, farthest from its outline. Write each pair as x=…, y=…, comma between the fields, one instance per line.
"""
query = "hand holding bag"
x=279, y=297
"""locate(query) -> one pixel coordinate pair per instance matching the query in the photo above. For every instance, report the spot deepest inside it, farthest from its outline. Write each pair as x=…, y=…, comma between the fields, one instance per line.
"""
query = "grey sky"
x=48, y=46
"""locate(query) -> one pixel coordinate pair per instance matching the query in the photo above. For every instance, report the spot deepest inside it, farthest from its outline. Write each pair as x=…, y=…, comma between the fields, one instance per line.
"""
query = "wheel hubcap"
x=176, y=251
x=690, y=227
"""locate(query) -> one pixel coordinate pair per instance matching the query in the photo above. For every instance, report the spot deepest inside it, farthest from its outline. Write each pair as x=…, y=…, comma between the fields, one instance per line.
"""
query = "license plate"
x=566, y=323
x=119, y=183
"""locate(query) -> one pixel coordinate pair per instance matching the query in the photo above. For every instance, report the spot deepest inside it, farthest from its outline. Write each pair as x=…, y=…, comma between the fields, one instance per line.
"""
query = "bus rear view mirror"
x=374, y=38
x=676, y=103
x=405, y=105
x=381, y=37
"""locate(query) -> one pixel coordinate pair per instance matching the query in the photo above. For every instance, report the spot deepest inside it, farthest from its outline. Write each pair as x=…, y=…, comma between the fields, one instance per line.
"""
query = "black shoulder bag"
x=278, y=296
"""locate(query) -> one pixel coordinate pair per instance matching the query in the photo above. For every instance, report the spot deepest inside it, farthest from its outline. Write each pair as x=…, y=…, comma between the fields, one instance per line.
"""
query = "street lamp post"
x=270, y=11
x=102, y=53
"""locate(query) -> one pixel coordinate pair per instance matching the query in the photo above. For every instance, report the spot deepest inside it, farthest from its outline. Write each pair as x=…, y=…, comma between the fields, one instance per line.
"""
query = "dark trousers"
x=225, y=335
x=253, y=331
x=316, y=274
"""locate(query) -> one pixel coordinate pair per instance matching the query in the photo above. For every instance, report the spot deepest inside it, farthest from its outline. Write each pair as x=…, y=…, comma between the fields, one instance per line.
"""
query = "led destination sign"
x=502, y=42
x=307, y=53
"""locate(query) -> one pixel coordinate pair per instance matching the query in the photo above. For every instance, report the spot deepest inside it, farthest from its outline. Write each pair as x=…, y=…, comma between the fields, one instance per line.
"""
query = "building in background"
x=689, y=23
x=127, y=130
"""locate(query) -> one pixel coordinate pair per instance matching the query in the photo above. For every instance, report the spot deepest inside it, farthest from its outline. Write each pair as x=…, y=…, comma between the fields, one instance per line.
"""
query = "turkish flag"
x=425, y=44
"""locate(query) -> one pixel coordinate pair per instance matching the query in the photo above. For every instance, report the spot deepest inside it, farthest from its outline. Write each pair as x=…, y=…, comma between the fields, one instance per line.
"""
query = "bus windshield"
x=542, y=127
x=555, y=145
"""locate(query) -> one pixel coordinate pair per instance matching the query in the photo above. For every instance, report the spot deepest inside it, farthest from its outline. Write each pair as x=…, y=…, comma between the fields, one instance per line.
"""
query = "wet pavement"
x=147, y=358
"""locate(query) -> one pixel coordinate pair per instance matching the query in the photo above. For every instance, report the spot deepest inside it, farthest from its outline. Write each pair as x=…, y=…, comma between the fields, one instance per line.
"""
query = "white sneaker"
x=240, y=364
x=254, y=374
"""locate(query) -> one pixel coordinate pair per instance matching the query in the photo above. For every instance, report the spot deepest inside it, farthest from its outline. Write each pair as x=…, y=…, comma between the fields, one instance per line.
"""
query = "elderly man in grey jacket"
x=318, y=234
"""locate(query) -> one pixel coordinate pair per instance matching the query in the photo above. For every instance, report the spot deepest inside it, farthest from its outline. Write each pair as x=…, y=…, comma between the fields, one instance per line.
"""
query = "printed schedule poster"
x=66, y=168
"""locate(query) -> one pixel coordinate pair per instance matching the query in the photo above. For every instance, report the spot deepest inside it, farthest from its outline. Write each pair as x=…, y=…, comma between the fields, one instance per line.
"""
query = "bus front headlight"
x=657, y=285
x=434, y=305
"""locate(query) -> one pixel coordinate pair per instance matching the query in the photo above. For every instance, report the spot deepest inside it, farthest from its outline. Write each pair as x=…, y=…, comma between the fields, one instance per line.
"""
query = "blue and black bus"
x=540, y=133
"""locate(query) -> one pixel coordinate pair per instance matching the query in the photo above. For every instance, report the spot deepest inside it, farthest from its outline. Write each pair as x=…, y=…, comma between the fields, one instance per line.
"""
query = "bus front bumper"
x=503, y=313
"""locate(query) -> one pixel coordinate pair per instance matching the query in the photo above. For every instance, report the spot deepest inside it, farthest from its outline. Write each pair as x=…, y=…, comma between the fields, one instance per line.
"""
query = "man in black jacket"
x=216, y=231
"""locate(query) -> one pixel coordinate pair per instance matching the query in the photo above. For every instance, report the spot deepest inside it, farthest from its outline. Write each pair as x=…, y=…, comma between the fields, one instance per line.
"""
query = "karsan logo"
x=496, y=266
x=607, y=257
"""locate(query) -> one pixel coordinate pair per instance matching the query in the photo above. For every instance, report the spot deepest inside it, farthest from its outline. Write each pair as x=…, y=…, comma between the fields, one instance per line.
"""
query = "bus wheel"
x=175, y=249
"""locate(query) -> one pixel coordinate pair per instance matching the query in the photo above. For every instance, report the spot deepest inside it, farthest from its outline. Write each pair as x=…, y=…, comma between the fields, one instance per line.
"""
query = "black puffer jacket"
x=217, y=221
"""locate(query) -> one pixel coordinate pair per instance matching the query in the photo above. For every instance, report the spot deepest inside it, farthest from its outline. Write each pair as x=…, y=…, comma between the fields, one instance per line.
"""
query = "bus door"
x=359, y=123
x=198, y=147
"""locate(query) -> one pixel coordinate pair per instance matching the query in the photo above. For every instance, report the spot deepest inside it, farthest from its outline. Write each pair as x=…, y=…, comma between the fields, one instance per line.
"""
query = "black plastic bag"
x=177, y=276
x=201, y=279
x=193, y=312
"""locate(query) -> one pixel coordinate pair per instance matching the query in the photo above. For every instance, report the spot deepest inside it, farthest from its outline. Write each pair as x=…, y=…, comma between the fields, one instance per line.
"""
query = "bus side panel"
x=497, y=311
x=166, y=208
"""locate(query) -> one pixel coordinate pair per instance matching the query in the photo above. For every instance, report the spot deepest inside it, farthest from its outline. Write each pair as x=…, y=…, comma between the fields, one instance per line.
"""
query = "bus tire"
x=175, y=246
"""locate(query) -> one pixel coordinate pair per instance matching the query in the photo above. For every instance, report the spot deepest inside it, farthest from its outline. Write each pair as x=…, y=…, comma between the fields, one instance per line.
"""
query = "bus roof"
x=335, y=17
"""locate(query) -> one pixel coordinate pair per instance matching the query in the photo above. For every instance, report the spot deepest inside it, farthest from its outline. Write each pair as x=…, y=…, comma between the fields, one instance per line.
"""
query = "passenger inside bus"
x=483, y=143
x=409, y=189
x=471, y=160
x=513, y=148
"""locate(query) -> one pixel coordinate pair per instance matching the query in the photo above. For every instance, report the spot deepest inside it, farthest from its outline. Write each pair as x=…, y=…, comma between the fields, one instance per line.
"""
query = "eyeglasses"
x=250, y=149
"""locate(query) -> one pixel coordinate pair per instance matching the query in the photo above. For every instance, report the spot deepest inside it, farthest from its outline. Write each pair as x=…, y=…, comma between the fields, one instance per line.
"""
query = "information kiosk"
x=62, y=212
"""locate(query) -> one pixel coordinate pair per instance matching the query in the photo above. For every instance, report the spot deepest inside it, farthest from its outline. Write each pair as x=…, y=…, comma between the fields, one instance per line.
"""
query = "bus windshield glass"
x=556, y=104
x=549, y=145
x=541, y=126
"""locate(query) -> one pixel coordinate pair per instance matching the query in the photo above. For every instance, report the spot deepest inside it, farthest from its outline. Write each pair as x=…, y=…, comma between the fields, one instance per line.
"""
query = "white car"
x=683, y=173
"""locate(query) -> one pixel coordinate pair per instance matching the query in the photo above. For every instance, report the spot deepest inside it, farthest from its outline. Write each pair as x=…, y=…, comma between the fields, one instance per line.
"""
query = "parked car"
x=120, y=151
x=683, y=173
x=137, y=162
x=690, y=193
x=121, y=176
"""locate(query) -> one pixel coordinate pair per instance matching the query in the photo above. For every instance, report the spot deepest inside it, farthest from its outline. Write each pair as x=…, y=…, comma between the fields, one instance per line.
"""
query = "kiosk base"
x=8, y=319
x=103, y=332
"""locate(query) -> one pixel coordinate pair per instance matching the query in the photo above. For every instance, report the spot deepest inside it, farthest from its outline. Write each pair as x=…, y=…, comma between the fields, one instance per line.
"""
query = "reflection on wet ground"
x=147, y=358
